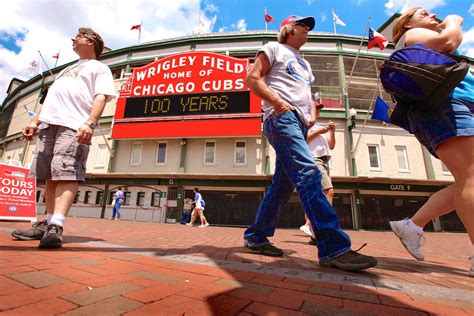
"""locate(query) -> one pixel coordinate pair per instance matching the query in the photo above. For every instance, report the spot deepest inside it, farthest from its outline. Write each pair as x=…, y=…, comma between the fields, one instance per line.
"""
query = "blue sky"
x=29, y=26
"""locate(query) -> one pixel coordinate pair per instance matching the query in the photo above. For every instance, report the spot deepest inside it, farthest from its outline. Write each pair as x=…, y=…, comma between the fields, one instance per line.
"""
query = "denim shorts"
x=452, y=118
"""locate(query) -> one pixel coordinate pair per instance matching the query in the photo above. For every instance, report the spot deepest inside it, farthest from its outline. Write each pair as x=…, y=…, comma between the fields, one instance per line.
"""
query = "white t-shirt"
x=319, y=145
x=69, y=100
x=290, y=76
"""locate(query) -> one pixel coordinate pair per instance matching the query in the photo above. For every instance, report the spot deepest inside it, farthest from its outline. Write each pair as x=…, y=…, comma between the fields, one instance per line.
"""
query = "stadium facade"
x=380, y=171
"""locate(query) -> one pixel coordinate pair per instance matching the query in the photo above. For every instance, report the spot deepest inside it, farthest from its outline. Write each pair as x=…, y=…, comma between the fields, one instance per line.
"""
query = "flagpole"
x=265, y=16
x=357, y=57
x=44, y=61
x=140, y=32
x=57, y=59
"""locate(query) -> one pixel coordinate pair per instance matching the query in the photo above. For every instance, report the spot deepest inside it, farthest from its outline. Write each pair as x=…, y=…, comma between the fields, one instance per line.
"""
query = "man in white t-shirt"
x=282, y=78
x=66, y=124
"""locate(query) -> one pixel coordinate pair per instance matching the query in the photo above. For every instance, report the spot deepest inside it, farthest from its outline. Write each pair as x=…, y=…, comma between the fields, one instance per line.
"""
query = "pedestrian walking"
x=282, y=78
x=66, y=124
x=446, y=131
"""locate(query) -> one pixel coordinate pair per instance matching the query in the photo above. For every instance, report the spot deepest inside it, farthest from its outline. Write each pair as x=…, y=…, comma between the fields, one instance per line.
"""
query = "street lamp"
x=352, y=114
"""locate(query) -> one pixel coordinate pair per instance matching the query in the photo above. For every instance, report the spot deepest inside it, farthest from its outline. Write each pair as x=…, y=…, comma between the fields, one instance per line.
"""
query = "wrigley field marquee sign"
x=193, y=94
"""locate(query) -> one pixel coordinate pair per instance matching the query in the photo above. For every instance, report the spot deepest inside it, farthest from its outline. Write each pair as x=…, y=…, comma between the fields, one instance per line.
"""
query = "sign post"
x=17, y=194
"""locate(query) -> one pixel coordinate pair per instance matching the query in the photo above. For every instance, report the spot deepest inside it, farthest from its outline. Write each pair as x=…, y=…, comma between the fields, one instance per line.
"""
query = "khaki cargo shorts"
x=323, y=166
x=58, y=155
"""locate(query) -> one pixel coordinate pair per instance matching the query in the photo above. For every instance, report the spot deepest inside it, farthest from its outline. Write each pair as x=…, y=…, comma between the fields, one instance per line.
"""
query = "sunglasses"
x=301, y=23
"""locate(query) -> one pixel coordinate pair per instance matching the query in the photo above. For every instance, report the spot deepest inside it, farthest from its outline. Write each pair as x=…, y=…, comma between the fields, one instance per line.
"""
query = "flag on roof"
x=337, y=20
x=382, y=111
x=136, y=27
x=375, y=38
x=56, y=56
x=268, y=17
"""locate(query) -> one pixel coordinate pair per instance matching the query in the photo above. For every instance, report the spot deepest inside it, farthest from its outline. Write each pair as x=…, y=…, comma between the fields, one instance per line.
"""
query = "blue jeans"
x=116, y=209
x=295, y=167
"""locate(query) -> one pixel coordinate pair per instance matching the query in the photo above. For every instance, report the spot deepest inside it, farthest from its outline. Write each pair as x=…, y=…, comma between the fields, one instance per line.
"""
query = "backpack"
x=421, y=77
x=203, y=203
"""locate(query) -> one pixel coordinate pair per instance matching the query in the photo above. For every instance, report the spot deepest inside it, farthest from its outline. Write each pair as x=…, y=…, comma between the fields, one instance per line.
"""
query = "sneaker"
x=34, y=233
x=409, y=238
x=53, y=237
x=189, y=224
x=305, y=229
x=471, y=271
x=266, y=250
x=204, y=225
x=350, y=261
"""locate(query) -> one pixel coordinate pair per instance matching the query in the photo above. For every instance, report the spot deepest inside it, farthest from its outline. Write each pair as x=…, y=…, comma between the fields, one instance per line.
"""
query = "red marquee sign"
x=193, y=94
x=17, y=194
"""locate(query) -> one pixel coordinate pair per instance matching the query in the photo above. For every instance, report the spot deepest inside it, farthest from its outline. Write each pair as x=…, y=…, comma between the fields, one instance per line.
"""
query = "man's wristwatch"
x=90, y=124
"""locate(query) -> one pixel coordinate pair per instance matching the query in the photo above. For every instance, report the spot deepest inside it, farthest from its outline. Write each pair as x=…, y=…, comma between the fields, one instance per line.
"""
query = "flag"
x=56, y=56
x=375, y=38
x=382, y=111
x=337, y=20
x=34, y=67
x=268, y=17
x=136, y=27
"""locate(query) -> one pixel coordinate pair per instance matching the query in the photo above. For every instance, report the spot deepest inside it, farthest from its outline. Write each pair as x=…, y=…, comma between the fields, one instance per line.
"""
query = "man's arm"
x=29, y=130
x=315, y=132
x=255, y=82
x=331, y=135
x=85, y=132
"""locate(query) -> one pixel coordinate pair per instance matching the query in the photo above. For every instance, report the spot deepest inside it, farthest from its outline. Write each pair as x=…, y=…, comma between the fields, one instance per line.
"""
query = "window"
x=161, y=153
x=155, y=199
x=141, y=198
x=87, y=197
x=101, y=153
x=374, y=157
x=445, y=169
x=240, y=152
x=136, y=155
x=127, y=197
x=209, y=152
x=99, y=197
x=402, y=158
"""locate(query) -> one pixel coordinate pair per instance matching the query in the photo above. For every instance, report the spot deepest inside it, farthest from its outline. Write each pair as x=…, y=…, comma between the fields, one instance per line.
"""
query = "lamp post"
x=351, y=124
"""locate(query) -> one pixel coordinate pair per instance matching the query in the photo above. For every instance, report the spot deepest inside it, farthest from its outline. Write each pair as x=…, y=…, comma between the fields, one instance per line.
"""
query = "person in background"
x=321, y=140
x=446, y=131
x=118, y=201
x=187, y=207
x=199, y=205
x=282, y=78
x=66, y=123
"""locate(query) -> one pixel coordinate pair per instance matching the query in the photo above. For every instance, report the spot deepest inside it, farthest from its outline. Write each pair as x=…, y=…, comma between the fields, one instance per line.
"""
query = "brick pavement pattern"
x=135, y=268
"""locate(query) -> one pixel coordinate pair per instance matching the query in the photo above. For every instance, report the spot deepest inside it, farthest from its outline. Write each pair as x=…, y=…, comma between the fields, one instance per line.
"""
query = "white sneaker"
x=189, y=224
x=305, y=229
x=409, y=238
x=204, y=225
x=471, y=271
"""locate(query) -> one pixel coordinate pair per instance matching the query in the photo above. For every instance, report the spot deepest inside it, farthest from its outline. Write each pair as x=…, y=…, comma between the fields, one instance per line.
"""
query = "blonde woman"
x=446, y=131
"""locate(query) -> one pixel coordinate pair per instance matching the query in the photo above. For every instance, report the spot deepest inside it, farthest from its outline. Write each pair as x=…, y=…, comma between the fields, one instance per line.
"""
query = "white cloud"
x=394, y=6
x=323, y=16
x=48, y=26
x=471, y=9
x=241, y=25
x=309, y=2
x=467, y=46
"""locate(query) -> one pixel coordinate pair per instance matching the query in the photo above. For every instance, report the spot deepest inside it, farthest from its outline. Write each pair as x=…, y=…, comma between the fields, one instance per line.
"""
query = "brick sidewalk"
x=118, y=267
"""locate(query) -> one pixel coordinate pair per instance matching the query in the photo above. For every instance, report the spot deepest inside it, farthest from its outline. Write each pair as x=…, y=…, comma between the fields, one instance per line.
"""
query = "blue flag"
x=382, y=111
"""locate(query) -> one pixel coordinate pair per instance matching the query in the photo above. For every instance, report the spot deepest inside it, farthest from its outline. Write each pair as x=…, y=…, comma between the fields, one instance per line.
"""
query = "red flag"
x=375, y=38
x=268, y=17
x=136, y=27
x=56, y=56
